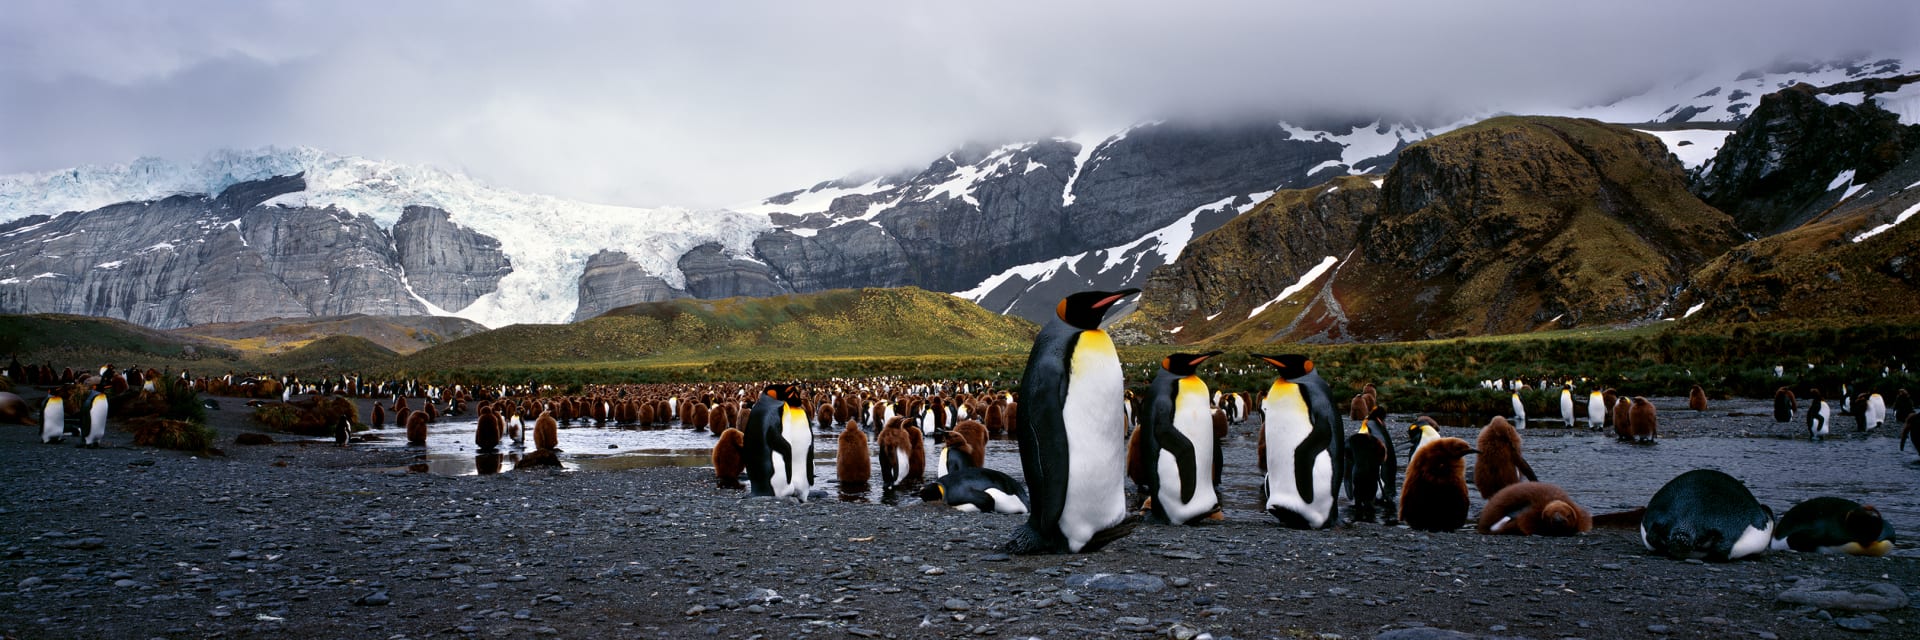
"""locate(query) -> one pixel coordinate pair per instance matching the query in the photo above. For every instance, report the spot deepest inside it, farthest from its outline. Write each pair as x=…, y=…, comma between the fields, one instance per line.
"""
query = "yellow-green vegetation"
x=84, y=342
x=167, y=433
x=848, y=330
x=330, y=355
x=1816, y=270
x=400, y=334
x=310, y=417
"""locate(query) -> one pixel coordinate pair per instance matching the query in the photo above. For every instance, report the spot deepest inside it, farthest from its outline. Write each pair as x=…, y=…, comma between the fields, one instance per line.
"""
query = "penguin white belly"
x=1752, y=541
x=939, y=470
x=1095, y=423
x=1596, y=410
x=1566, y=407
x=97, y=430
x=899, y=466
x=1876, y=411
x=1192, y=419
x=790, y=480
x=1519, y=413
x=53, y=421
x=1819, y=427
x=1004, y=503
x=1288, y=424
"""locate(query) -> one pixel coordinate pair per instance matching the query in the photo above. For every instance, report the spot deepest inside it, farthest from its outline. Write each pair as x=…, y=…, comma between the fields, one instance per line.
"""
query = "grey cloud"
x=712, y=104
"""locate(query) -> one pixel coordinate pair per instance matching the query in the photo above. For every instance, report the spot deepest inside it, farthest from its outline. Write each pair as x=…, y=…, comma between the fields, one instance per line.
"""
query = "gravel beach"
x=305, y=539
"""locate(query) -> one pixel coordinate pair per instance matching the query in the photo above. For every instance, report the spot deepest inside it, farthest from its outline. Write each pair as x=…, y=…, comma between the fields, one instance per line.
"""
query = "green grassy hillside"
x=842, y=325
x=332, y=354
x=83, y=341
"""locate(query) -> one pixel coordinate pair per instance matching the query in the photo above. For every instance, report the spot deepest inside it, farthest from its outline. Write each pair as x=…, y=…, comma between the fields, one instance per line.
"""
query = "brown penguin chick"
x=1533, y=509
x=854, y=464
x=379, y=416
x=1357, y=408
x=956, y=445
x=1010, y=416
x=1622, y=420
x=823, y=416
x=1137, y=458
x=546, y=432
x=1219, y=426
x=486, y=433
x=728, y=463
x=976, y=435
x=990, y=419
x=1500, y=464
x=1610, y=397
x=417, y=428
x=1642, y=422
x=917, y=456
x=1434, y=496
x=719, y=420
x=643, y=414
x=895, y=449
x=1697, y=399
x=432, y=413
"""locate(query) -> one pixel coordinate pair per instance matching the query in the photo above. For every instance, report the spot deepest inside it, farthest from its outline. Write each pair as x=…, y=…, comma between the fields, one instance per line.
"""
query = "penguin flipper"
x=1110, y=534
x=1043, y=444
x=1525, y=469
x=1182, y=451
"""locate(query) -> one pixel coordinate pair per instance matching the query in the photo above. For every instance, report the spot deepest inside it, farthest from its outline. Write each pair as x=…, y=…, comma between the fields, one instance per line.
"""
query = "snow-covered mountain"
x=547, y=239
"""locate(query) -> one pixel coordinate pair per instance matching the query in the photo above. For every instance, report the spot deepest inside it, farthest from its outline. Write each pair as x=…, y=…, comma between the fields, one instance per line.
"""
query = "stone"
x=1854, y=624
x=612, y=280
x=375, y=599
x=1124, y=582
x=1876, y=596
x=1423, y=633
x=956, y=604
x=447, y=264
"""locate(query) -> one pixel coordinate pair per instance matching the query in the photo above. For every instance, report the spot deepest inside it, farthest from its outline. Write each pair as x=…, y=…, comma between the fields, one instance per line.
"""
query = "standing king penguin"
x=1072, y=434
x=779, y=445
x=1178, y=443
x=1300, y=442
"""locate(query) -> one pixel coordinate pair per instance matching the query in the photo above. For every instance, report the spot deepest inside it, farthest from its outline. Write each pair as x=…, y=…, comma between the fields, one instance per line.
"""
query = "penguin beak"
x=1473, y=451
x=1117, y=295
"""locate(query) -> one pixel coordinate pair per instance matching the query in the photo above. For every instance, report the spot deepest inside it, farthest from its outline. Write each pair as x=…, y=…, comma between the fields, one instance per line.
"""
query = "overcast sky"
x=719, y=103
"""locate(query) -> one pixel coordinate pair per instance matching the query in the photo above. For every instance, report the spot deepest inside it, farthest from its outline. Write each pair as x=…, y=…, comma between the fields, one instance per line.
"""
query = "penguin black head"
x=1864, y=525
x=1084, y=310
x=1379, y=416
x=1184, y=364
x=1291, y=365
x=788, y=393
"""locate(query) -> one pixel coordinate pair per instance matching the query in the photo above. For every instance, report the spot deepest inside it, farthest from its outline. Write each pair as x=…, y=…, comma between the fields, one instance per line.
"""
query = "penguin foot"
x=1027, y=542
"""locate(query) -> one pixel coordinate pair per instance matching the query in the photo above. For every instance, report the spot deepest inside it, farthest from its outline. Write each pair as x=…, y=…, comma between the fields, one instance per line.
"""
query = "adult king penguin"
x=1177, y=443
x=779, y=445
x=1072, y=433
x=1299, y=444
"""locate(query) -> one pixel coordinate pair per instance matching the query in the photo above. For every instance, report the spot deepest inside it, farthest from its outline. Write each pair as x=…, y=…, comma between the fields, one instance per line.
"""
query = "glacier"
x=548, y=239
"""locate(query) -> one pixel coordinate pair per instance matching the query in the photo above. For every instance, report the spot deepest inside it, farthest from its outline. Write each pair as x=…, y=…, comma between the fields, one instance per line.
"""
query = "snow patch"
x=109, y=266
x=1361, y=144
x=814, y=201
x=1089, y=143
x=1845, y=177
x=1883, y=228
x=1701, y=144
x=1305, y=279
x=1693, y=310
x=1904, y=103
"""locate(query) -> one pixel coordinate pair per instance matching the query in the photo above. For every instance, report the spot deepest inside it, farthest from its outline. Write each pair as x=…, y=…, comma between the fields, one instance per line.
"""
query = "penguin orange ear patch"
x=1166, y=363
x=1061, y=309
x=1307, y=368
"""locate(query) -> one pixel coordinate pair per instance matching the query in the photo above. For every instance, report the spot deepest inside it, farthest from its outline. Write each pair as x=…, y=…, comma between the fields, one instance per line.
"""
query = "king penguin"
x=1596, y=410
x=53, y=420
x=1519, y=411
x=779, y=445
x=1566, y=406
x=1300, y=443
x=1177, y=443
x=97, y=424
x=1072, y=433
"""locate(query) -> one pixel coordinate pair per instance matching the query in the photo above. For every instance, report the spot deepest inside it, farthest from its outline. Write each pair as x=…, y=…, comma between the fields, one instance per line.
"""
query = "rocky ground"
x=316, y=541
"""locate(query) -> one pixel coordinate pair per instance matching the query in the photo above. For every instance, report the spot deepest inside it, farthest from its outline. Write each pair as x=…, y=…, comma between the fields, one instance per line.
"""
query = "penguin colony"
x=1073, y=439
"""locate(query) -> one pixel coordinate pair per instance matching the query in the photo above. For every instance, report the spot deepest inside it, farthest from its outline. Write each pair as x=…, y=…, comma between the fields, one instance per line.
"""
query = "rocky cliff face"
x=1798, y=155
x=611, y=280
x=1224, y=275
x=187, y=260
x=448, y=265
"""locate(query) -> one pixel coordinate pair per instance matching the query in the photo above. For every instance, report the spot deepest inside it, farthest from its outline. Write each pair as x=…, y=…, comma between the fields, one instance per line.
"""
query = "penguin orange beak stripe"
x=1109, y=300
